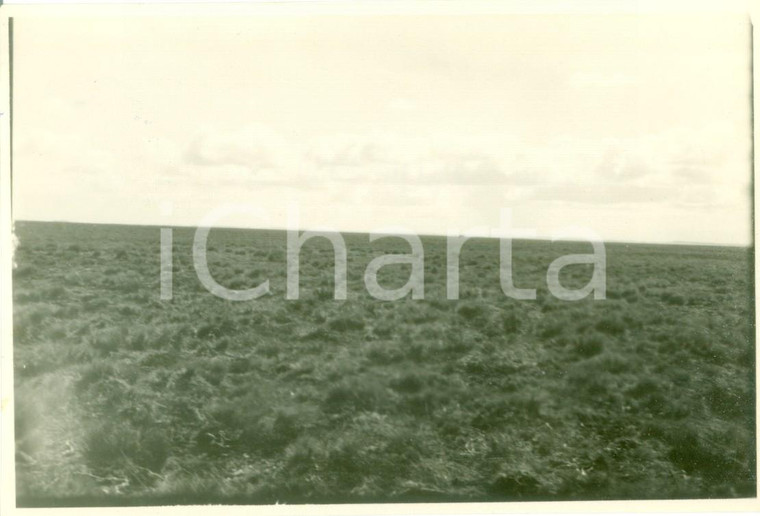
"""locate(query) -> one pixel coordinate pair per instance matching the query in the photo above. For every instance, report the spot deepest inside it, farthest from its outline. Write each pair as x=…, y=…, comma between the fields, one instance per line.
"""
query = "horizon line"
x=682, y=243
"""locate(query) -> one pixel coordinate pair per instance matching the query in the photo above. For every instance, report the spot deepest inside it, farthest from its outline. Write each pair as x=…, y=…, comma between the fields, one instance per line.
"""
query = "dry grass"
x=124, y=399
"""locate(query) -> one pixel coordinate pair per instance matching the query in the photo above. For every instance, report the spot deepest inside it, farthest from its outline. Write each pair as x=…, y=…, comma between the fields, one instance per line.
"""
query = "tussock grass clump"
x=320, y=335
x=356, y=395
x=550, y=329
x=346, y=323
x=589, y=345
x=217, y=327
x=276, y=256
x=672, y=298
x=259, y=430
x=138, y=455
x=510, y=323
x=516, y=486
x=109, y=340
x=384, y=353
x=496, y=412
x=24, y=271
x=471, y=311
x=94, y=373
x=409, y=382
x=611, y=325
x=364, y=460
x=53, y=293
x=126, y=282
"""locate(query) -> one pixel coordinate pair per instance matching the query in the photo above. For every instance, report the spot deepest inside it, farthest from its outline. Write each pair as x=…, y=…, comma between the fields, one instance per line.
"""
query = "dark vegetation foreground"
x=122, y=398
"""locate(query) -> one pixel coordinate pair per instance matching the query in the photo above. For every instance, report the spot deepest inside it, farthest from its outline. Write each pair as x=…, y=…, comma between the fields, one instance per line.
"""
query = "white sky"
x=635, y=127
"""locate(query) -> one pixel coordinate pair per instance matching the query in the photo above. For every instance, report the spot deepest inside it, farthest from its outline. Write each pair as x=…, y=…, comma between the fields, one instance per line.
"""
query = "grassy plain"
x=121, y=398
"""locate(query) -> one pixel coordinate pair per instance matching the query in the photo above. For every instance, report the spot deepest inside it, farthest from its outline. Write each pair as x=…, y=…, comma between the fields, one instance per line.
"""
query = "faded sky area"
x=637, y=127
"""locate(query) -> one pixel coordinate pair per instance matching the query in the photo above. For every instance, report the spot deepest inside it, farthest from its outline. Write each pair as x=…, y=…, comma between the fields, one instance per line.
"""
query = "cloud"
x=689, y=167
x=355, y=150
x=254, y=155
x=454, y=171
x=666, y=167
x=602, y=193
x=433, y=159
x=622, y=165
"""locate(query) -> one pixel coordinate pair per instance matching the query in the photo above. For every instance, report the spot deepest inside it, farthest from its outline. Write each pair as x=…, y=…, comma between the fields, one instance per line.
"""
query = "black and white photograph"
x=330, y=253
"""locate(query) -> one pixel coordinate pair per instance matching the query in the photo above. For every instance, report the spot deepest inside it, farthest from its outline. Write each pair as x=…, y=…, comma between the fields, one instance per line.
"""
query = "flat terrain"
x=122, y=398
